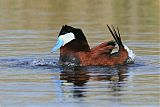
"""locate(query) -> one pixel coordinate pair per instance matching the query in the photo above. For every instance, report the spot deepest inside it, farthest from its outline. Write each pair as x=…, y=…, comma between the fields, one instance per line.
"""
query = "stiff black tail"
x=116, y=36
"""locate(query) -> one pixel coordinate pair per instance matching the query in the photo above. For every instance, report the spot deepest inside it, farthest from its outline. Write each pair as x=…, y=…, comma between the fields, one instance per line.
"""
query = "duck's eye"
x=62, y=32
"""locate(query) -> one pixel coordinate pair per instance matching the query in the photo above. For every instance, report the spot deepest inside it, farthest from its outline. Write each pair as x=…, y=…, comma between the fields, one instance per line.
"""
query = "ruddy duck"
x=74, y=49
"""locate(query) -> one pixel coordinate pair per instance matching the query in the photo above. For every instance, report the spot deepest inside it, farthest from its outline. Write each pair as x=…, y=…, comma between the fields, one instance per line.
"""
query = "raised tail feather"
x=116, y=36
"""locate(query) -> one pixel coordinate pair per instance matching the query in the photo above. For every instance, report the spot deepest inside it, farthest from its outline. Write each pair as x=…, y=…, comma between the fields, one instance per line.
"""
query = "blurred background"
x=32, y=26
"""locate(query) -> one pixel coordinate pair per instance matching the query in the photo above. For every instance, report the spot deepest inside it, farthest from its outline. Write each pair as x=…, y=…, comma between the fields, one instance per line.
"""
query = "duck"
x=75, y=50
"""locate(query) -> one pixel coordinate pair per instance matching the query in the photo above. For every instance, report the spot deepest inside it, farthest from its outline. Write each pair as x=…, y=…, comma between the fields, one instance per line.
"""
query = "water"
x=30, y=75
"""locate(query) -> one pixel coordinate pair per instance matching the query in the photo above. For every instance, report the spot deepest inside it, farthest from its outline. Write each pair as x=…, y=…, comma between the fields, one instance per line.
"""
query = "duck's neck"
x=74, y=46
x=68, y=53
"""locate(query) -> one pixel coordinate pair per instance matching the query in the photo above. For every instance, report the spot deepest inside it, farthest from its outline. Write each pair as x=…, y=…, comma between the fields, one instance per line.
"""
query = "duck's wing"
x=104, y=48
x=104, y=44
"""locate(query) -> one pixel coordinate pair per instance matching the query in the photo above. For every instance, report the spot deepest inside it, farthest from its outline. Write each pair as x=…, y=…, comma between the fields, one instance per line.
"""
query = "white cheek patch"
x=67, y=38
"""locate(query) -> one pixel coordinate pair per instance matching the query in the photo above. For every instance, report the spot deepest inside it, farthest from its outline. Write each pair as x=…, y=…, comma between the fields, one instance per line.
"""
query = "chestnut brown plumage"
x=77, y=50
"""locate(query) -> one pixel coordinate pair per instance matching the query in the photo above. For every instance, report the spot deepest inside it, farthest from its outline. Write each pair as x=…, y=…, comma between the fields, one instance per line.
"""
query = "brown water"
x=30, y=75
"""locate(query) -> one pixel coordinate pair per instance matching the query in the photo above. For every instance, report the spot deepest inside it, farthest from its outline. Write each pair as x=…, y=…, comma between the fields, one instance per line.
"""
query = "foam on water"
x=28, y=62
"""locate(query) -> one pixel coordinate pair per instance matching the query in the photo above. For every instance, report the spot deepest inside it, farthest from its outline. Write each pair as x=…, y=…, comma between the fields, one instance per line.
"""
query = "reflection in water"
x=77, y=78
x=76, y=75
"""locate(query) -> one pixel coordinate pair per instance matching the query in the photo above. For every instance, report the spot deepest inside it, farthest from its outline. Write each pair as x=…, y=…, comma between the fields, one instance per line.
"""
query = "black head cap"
x=66, y=29
x=76, y=31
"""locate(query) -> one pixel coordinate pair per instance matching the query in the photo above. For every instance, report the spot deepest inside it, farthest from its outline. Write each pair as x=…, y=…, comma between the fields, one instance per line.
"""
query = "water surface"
x=31, y=76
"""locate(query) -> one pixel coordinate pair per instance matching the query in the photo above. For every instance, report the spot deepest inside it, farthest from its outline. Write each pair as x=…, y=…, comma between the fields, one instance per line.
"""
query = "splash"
x=42, y=62
x=28, y=62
